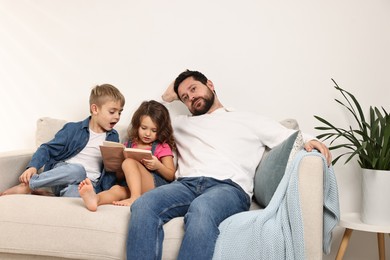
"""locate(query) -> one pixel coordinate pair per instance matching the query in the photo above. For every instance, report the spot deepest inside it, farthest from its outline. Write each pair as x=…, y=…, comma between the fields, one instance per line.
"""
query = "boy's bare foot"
x=21, y=188
x=126, y=202
x=87, y=193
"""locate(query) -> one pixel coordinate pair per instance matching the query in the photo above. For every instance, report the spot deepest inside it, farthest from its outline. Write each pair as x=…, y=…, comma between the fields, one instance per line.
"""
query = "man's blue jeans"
x=204, y=203
x=63, y=179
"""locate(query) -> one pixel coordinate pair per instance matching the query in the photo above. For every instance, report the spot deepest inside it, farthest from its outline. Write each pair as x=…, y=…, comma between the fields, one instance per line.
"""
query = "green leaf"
x=370, y=141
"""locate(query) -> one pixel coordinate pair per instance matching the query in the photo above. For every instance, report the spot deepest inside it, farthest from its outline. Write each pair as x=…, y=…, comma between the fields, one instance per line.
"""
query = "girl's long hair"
x=159, y=115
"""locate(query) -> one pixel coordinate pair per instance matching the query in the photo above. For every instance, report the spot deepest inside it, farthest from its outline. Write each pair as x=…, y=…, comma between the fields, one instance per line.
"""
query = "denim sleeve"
x=52, y=149
x=112, y=136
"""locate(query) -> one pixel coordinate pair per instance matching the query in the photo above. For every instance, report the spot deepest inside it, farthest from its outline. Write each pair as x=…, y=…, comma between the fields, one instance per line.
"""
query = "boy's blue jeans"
x=63, y=179
x=204, y=203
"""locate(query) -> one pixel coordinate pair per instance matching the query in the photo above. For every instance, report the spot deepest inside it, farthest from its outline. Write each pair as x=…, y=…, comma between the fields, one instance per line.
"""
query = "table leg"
x=344, y=244
x=381, y=245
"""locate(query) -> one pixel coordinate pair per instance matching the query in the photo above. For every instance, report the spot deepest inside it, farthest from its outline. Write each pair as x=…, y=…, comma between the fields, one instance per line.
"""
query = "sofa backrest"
x=47, y=127
x=290, y=123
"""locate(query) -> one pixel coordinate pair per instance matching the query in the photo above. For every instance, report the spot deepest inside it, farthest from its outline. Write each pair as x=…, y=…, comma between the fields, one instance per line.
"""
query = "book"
x=114, y=154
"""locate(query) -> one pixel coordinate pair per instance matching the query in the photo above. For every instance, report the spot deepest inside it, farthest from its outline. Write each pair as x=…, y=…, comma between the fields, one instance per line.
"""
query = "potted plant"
x=370, y=142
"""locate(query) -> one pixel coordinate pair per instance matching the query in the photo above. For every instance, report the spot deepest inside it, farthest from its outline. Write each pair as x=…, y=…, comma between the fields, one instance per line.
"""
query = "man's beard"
x=207, y=103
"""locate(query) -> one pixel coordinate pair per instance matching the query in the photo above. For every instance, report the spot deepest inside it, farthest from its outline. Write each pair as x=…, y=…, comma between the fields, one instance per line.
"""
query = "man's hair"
x=101, y=94
x=159, y=114
x=196, y=75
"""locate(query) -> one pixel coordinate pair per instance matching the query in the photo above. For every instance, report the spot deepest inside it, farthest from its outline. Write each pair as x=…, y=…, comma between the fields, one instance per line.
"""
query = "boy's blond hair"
x=101, y=94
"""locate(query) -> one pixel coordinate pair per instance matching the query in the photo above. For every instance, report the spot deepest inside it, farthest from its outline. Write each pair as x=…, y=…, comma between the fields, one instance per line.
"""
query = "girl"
x=150, y=129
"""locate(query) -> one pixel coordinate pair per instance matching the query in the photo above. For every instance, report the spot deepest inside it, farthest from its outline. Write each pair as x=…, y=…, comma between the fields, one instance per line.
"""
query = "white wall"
x=274, y=57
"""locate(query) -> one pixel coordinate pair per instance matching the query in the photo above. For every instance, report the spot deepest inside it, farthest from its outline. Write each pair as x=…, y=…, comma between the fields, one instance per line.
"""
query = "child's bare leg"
x=87, y=193
x=114, y=194
x=93, y=200
x=21, y=188
x=126, y=202
x=138, y=179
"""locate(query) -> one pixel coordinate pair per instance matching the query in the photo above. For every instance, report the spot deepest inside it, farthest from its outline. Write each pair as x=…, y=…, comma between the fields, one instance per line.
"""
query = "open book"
x=114, y=153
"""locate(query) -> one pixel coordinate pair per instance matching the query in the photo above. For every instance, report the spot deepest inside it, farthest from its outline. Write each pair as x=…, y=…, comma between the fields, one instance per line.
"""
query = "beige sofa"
x=43, y=227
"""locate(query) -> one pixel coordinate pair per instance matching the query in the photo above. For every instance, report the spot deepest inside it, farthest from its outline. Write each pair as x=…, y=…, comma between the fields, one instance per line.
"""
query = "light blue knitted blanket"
x=276, y=232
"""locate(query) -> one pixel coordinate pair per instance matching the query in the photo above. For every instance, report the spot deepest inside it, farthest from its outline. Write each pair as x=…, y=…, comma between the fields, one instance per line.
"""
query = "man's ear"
x=170, y=95
x=210, y=84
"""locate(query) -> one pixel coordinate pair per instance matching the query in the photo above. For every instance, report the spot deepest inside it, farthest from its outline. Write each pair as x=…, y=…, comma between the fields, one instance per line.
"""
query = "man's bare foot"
x=126, y=202
x=21, y=188
x=87, y=193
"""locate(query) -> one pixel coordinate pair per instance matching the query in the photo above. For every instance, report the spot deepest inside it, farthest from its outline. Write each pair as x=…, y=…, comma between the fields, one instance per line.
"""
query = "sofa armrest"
x=311, y=179
x=12, y=164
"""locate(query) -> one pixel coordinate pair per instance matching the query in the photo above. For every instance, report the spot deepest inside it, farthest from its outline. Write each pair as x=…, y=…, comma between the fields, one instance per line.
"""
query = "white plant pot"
x=375, y=207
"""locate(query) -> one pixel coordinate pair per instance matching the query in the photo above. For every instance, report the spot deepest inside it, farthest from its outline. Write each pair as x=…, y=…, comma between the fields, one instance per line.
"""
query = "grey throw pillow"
x=272, y=167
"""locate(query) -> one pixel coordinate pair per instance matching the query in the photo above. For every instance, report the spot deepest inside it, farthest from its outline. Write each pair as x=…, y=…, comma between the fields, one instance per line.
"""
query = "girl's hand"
x=151, y=164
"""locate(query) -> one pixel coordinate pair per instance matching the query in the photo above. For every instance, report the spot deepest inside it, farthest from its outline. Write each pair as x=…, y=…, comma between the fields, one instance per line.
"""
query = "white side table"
x=351, y=222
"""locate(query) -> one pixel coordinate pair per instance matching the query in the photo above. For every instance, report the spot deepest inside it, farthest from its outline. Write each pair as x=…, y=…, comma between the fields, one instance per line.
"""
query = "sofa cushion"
x=46, y=129
x=290, y=123
x=52, y=226
x=272, y=167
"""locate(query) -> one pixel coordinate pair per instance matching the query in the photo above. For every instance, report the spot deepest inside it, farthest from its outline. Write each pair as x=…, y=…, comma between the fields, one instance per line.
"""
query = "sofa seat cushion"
x=52, y=226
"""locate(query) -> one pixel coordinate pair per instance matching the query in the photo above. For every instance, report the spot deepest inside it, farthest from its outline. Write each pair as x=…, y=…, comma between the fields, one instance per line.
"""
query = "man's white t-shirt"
x=225, y=144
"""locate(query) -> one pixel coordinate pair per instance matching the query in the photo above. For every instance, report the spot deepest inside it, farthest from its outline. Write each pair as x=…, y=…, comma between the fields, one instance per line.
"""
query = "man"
x=218, y=152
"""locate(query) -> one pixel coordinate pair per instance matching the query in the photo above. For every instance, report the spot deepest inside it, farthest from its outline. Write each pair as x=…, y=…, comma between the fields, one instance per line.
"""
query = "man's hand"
x=27, y=174
x=322, y=148
x=169, y=94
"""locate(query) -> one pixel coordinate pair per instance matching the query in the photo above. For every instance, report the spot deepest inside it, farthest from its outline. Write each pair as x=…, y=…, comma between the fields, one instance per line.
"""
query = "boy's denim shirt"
x=67, y=142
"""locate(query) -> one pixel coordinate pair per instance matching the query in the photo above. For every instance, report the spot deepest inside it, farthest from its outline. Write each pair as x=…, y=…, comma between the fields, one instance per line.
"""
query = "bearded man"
x=218, y=152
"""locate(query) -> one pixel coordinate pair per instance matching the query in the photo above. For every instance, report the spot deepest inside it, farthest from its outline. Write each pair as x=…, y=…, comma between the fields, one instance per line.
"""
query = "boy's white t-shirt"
x=225, y=144
x=90, y=157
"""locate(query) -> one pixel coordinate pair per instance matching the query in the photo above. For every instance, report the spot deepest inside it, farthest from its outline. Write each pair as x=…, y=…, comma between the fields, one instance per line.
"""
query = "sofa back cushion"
x=273, y=165
x=46, y=129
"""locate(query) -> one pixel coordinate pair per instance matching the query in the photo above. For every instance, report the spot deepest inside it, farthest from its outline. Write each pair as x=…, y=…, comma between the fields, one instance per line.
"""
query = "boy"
x=73, y=154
